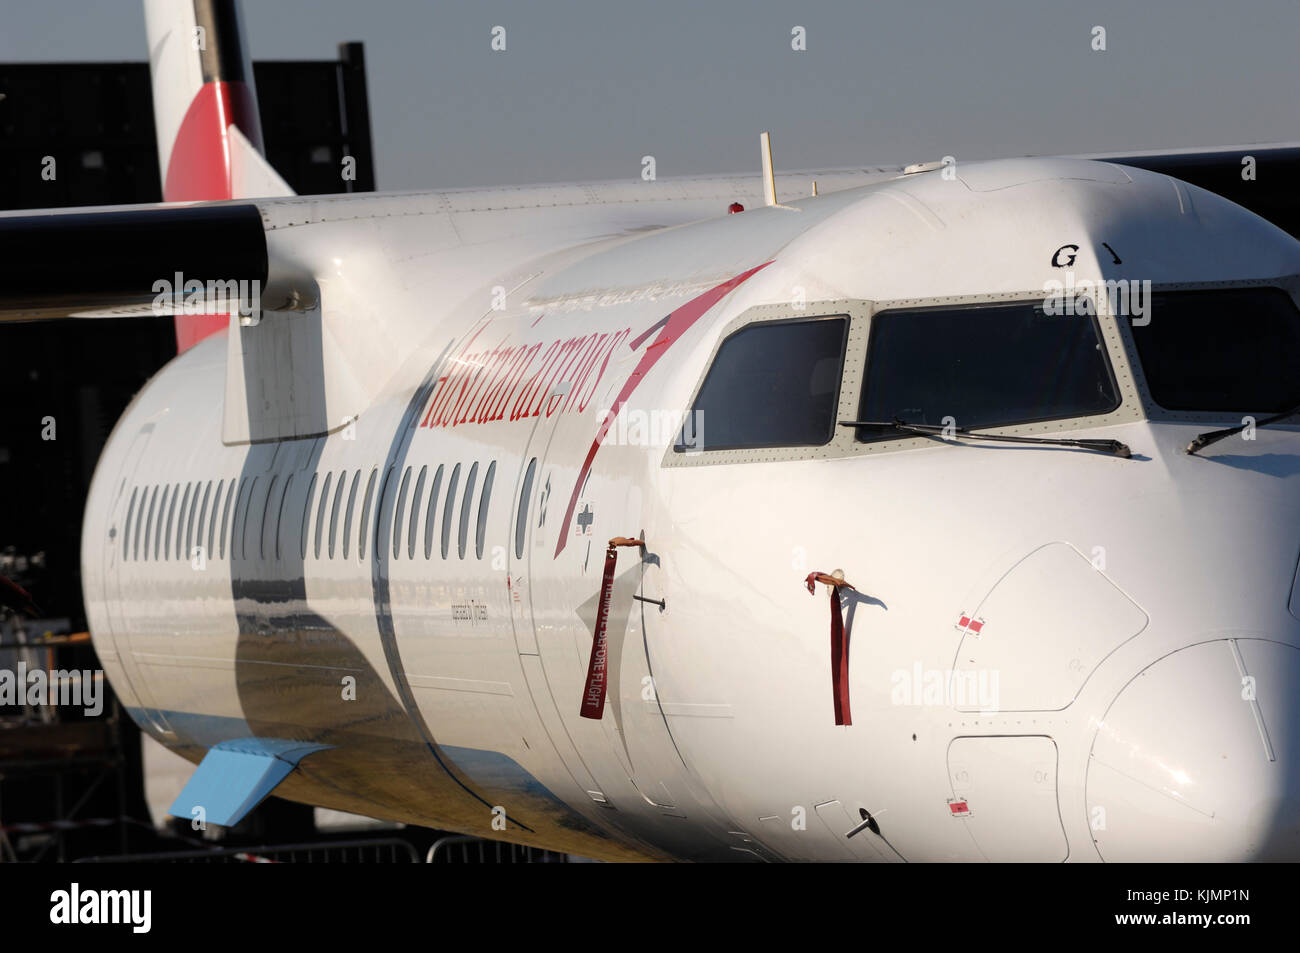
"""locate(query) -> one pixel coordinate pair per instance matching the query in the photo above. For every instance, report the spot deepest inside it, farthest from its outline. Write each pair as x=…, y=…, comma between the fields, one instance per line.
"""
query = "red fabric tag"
x=839, y=663
x=839, y=651
x=596, y=685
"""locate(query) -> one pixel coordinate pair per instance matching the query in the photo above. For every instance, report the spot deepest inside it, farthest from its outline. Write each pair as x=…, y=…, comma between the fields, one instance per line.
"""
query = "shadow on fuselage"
x=292, y=672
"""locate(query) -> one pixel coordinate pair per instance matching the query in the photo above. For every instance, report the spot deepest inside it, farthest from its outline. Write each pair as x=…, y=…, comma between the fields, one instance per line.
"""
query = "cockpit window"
x=1232, y=350
x=983, y=366
x=774, y=384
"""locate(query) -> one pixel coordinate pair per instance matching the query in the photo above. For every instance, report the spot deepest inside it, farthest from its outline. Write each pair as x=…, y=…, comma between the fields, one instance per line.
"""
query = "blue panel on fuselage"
x=234, y=776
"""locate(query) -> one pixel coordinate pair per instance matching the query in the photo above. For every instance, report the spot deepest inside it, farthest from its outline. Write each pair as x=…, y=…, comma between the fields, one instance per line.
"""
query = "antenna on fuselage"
x=769, y=177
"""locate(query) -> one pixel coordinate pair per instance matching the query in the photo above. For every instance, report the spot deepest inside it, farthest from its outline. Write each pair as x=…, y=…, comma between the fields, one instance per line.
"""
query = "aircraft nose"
x=1197, y=760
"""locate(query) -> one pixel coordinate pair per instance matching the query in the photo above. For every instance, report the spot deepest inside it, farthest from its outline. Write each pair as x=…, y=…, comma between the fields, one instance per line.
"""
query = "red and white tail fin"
x=205, y=115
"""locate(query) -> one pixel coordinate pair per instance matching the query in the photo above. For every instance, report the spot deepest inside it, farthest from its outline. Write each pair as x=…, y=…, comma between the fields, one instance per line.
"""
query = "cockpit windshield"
x=983, y=366
x=1229, y=350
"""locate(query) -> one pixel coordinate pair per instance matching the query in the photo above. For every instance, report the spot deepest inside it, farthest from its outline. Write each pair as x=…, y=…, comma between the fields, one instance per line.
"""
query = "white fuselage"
x=438, y=653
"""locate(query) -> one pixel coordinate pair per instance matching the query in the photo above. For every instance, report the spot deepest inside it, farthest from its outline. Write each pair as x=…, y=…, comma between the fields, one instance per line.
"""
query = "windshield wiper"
x=1113, y=447
x=1213, y=436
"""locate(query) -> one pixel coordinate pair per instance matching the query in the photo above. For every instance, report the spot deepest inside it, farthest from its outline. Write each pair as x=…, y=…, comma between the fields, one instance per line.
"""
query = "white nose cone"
x=1197, y=758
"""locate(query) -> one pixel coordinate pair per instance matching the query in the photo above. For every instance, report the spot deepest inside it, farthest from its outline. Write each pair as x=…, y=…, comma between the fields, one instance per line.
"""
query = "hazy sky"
x=585, y=88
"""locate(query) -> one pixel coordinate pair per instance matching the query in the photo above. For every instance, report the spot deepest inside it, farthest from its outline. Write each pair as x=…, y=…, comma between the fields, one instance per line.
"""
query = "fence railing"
x=371, y=851
x=461, y=849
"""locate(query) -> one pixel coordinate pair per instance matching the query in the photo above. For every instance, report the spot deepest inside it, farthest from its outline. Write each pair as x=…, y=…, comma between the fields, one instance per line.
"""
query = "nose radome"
x=1197, y=758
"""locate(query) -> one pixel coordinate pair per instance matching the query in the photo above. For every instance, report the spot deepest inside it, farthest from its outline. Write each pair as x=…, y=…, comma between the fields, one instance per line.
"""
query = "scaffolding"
x=63, y=771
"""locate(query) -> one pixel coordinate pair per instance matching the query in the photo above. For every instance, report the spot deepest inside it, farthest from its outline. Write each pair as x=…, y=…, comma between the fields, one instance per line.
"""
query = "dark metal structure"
x=82, y=134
